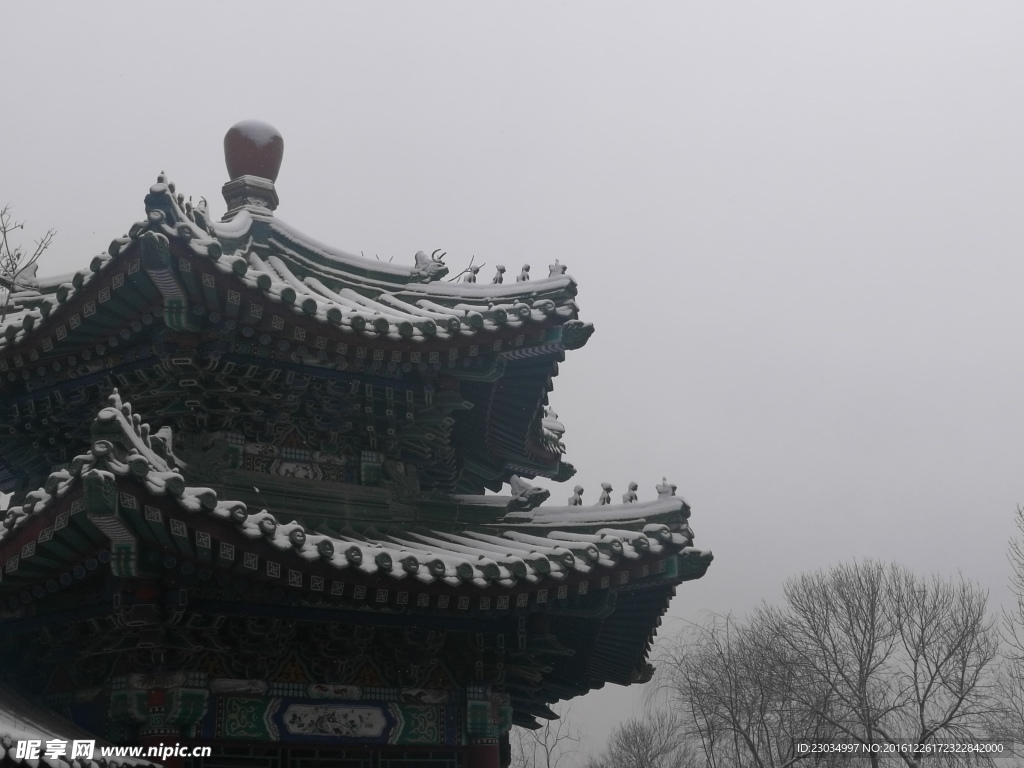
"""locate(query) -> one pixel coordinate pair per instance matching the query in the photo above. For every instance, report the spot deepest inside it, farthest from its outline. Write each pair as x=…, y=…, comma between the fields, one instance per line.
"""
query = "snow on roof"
x=22, y=719
x=365, y=295
x=532, y=545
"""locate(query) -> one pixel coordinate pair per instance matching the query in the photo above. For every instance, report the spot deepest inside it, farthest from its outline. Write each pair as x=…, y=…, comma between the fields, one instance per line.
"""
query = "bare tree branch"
x=547, y=747
x=655, y=740
x=1008, y=724
x=15, y=264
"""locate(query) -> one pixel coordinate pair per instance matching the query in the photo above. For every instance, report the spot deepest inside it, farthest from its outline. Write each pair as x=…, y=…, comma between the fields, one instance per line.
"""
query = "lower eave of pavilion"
x=140, y=536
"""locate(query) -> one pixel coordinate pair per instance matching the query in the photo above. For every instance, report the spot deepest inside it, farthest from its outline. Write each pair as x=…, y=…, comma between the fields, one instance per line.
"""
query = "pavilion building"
x=249, y=508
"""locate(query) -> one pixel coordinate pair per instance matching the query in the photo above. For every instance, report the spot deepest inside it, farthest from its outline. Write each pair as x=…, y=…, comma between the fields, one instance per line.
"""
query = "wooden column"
x=173, y=713
x=483, y=753
x=488, y=716
x=156, y=741
x=504, y=750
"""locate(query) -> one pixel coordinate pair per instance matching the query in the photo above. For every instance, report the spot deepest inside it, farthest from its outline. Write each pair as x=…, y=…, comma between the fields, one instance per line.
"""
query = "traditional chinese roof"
x=123, y=507
x=321, y=431
x=182, y=310
x=506, y=550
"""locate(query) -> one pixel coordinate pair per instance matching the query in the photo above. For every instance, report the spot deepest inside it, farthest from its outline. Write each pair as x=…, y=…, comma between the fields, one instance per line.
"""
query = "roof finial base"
x=250, y=193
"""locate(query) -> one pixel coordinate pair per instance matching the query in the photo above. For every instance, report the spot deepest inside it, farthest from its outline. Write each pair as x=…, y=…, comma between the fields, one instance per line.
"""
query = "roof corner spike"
x=252, y=151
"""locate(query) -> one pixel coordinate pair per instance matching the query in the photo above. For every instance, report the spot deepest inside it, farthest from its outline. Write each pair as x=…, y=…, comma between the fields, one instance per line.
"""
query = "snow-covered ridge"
x=506, y=555
x=356, y=294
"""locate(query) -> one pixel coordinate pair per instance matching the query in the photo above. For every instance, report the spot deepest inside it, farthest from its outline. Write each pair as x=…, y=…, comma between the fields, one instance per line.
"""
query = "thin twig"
x=13, y=262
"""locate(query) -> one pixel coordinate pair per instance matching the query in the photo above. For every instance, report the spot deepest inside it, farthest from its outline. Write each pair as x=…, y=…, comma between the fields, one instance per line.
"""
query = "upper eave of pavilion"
x=254, y=286
x=376, y=299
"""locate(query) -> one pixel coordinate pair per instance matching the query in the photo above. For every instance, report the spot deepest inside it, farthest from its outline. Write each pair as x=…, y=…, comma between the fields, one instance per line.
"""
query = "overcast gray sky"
x=797, y=227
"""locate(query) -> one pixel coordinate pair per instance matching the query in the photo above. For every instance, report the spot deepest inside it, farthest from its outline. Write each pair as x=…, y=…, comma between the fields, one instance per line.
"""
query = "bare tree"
x=905, y=660
x=15, y=263
x=863, y=654
x=655, y=740
x=549, y=746
x=1008, y=724
x=736, y=685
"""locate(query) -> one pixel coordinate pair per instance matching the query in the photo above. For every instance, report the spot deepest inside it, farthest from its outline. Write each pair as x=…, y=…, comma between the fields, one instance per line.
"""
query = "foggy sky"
x=795, y=225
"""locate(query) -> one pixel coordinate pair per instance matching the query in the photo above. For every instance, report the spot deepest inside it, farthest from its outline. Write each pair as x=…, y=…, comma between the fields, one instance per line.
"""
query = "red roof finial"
x=253, y=152
x=253, y=148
